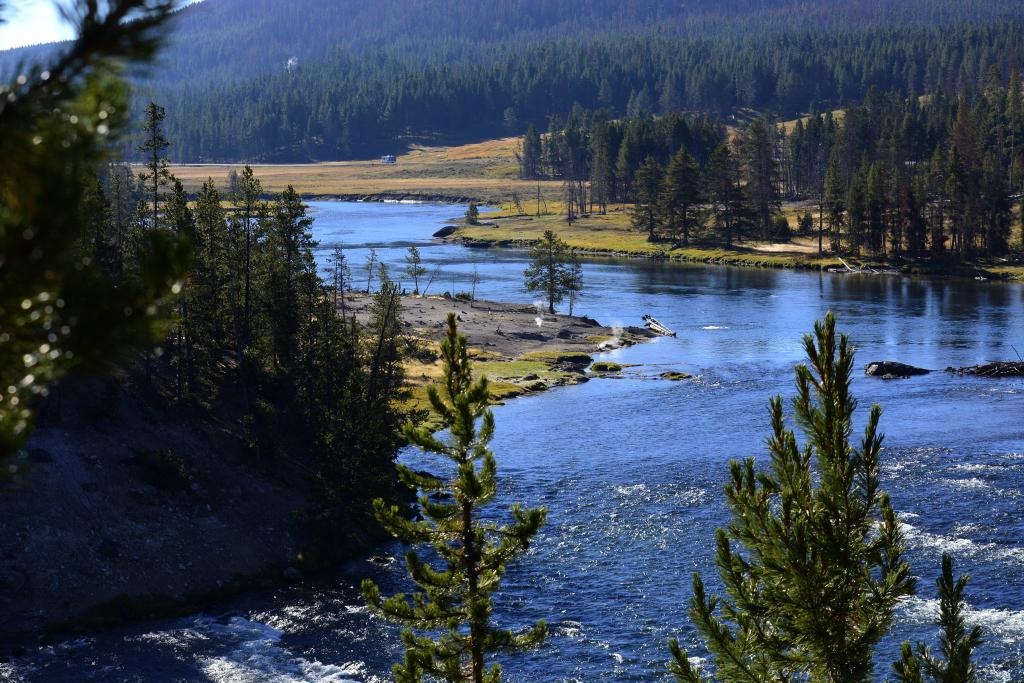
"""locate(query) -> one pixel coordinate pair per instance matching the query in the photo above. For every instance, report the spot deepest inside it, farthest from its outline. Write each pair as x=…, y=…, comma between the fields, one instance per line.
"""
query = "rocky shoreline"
x=519, y=347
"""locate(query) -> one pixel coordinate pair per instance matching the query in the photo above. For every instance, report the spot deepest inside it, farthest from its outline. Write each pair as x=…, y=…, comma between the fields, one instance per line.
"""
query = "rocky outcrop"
x=445, y=231
x=674, y=376
x=889, y=369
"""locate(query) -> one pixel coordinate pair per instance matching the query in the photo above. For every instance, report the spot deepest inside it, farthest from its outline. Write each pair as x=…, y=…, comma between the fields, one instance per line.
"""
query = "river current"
x=631, y=470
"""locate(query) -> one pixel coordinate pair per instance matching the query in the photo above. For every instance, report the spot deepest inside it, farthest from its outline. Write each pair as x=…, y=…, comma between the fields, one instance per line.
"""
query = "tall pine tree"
x=812, y=558
x=647, y=192
x=154, y=149
x=681, y=196
x=452, y=608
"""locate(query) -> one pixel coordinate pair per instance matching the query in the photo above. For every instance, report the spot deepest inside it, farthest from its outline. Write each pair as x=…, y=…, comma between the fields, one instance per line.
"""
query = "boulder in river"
x=445, y=231
x=889, y=369
x=675, y=375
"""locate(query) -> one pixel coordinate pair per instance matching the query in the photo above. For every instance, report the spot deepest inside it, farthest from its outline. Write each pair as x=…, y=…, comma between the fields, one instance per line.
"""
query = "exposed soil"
x=505, y=331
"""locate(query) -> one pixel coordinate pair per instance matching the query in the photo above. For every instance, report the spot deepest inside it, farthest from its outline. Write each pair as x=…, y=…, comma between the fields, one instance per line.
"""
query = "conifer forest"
x=530, y=341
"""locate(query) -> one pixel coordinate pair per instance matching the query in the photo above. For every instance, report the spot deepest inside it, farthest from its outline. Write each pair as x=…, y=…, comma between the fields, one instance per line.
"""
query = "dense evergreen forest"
x=315, y=80
x=256, y=333
x=899, y=176
x=346, y=105
x=227, y=287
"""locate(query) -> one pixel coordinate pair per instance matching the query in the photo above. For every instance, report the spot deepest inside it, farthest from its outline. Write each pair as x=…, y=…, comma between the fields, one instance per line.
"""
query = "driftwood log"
x=997, y=369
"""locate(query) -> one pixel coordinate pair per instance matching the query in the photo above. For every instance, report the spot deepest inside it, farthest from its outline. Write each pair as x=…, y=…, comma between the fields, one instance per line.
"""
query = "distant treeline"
x=356, y=105
x=897, y=176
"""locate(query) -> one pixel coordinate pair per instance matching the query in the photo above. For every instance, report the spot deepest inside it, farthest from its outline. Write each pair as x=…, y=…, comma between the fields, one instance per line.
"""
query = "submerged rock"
x=674, y=376
x=888, y=369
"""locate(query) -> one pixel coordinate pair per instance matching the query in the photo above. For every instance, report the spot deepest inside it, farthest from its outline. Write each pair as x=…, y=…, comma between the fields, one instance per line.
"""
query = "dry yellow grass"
x=612, y=233
x=484, y=171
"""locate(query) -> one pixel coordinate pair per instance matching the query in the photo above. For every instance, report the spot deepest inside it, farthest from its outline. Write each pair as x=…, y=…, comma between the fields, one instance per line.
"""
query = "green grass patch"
x=605, y=366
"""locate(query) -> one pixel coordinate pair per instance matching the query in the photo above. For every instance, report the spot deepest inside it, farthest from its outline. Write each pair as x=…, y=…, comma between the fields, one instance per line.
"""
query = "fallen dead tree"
x=996, y=369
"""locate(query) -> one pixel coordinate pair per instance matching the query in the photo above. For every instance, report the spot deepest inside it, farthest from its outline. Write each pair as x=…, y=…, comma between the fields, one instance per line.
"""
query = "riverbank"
x=123, y=507
x=120, y=509
x=485, y=172
x=520, y=348
x=611, y=235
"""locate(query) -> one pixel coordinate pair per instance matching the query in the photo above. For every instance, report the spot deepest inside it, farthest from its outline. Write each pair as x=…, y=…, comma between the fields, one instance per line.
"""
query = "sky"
x=27, y=22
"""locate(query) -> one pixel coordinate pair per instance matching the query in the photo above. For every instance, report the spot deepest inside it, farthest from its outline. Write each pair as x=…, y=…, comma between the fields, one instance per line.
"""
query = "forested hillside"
x=318, y=80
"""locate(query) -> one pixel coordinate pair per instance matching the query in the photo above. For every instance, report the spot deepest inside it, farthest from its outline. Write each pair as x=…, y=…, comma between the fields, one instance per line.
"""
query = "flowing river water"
x=631, y=470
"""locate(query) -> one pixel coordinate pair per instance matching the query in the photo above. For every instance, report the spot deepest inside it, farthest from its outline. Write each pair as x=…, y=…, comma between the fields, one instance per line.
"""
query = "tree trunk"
x=476, y=635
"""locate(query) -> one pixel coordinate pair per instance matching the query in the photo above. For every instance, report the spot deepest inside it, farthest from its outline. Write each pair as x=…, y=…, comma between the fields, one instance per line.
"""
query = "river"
x=631, y=470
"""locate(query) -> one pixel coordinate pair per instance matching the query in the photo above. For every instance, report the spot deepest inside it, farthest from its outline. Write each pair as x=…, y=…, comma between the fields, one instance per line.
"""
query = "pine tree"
x=414, y=267
x=154, y=149
x=911, y=216
x=98, y=234
x=453, y=603
x=806, y=224
x=647, y=192
x=548, y=272
x=812, y=559
x=472, y=214
x=386, y=328
x=57, y=311
x=289, y=260
x=681, y=196
x=246, y=223
x=207, y=290
x=762, y=173
x=530, y=156
x=629, y=160
x=724, y=194
x=956, y=642
x=602, y=170
x=574, y=281
x=122, y=208
x=876, y=202
x=996, y=205
x=341, y=276
x=835, y=205
x=181, y=222
x=856, y=213
x=937, y=183
x=370, y=266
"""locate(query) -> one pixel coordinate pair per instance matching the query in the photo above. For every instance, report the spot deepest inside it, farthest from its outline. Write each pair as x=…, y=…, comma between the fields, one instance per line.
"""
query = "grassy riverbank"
x=487, y=172
x=611, y=234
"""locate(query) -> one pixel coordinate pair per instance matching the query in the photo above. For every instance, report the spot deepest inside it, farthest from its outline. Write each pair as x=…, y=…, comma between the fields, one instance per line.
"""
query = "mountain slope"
x=303, y=80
